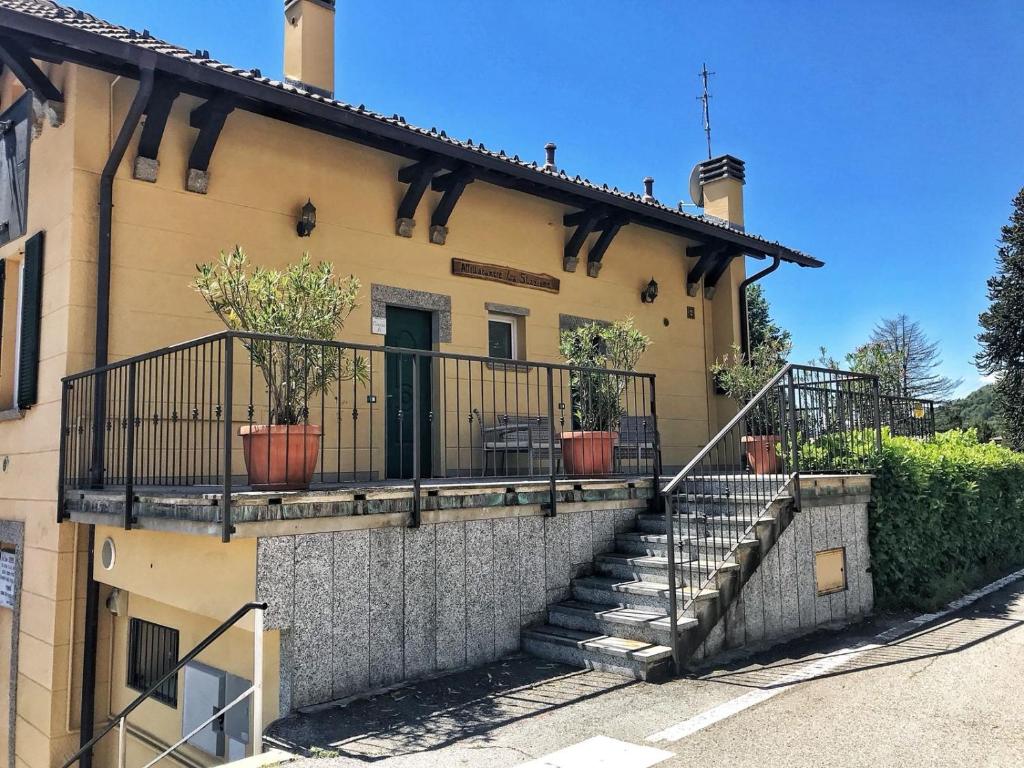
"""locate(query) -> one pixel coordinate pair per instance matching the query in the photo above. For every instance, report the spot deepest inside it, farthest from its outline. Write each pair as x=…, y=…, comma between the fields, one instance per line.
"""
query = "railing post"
x=876, y=386
x=99, y=416
x=62, y=454
x=257, y=682
x=552, y=487
x=229, y=381
x=795, y=438
x=416, y=437
x=655, y=447
x=129, y=458
x=122, y=742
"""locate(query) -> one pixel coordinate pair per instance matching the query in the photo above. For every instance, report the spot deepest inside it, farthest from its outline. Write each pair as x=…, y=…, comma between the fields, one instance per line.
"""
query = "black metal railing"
x=806, y=420
x=170, y=675
x=171, y=418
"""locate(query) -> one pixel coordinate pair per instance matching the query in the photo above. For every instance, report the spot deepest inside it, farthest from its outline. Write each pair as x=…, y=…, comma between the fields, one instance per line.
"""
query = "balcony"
x=160, y=436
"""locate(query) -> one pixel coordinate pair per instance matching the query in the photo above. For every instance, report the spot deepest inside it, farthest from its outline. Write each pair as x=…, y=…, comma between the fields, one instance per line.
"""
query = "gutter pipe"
x=92, y=593
x=744, y=319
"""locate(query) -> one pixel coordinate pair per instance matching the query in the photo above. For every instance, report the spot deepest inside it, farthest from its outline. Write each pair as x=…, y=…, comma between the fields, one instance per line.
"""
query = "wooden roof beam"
x=453, y=185
x=209, y=118
x=147, y=166
x=16, y=59
x=418, y=176
x=585, y=221
x=609, y=227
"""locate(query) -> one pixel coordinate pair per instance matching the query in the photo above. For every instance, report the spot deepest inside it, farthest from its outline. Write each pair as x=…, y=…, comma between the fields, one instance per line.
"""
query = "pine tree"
x=903, y=339
x=763, y=329
x=1002, y=336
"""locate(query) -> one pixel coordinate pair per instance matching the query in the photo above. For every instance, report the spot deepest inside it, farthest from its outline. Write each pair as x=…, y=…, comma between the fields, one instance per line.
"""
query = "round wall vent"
x=108, y=554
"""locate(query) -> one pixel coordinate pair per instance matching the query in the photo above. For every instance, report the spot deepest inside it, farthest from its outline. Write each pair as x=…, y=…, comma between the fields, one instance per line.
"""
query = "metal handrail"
x=248, y=335
x=733, y=422
x=120, y=717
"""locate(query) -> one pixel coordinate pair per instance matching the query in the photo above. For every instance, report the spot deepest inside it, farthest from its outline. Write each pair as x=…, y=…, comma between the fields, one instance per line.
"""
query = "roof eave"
x=271, y=101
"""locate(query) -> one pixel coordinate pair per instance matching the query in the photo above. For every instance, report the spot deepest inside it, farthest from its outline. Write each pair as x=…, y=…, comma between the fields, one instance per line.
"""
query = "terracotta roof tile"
x=71, y=17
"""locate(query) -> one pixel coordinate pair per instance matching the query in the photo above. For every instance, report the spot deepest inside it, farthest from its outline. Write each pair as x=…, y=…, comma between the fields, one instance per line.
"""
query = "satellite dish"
x=696, y=190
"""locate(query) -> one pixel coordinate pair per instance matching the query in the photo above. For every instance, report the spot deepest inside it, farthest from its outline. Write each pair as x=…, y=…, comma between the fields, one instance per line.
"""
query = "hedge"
x=946, y=516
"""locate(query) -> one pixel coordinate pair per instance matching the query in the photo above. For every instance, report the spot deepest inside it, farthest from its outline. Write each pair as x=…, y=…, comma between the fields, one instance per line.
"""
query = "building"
x=129, y=161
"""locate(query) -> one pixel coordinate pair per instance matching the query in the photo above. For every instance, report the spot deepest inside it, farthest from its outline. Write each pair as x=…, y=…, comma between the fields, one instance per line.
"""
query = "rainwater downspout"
x=103, y=250
x=744, y=319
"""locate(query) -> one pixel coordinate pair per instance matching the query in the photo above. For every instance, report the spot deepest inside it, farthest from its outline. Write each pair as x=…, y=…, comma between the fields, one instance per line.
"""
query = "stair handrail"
x=703, y=452
x=119, y=718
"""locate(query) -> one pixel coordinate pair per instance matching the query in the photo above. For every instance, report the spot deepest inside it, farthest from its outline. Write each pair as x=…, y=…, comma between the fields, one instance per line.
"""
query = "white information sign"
x=7, y=574
x=379, y=325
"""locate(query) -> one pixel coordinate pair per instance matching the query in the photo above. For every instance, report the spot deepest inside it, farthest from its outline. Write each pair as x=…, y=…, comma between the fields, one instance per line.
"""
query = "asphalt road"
x=948, y=694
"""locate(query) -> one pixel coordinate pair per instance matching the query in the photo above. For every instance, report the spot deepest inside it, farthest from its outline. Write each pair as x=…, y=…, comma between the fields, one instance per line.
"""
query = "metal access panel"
x=15, y=141
x=209, y=690
x=830, y=570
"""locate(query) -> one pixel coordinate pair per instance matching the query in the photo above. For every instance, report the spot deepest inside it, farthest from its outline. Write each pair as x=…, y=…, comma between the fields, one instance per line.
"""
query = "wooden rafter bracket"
x=715, y=273
x=707, y=256
x=585, y=222
x=609, y=228
x=452, y=184
x=16, y=59
x=147, y=165
x=418, y=176
x=209, y=118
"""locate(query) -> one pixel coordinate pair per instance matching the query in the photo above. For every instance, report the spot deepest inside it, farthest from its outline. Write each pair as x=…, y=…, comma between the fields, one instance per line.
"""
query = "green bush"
x=947, y=515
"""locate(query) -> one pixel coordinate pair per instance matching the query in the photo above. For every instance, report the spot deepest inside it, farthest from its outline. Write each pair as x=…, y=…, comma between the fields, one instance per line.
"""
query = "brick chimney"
x=721, y=181
x=309, y=45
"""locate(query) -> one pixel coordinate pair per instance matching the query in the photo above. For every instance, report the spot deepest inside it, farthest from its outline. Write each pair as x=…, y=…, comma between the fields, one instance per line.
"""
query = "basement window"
x=152, y=653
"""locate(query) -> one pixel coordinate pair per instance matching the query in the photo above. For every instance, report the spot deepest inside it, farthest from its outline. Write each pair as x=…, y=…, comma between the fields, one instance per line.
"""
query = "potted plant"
x=597, y=397
x=741, y=377
x=303, y=302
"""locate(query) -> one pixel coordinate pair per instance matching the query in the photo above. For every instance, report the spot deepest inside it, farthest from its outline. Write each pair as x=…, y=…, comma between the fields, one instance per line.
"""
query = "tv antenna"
x=704, y=98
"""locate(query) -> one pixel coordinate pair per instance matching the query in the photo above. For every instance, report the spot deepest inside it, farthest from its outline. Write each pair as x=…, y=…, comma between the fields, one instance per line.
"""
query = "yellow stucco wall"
x=261, y=173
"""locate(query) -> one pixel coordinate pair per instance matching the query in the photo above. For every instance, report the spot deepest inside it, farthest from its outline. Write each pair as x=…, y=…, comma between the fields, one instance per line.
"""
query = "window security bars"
x=152, y=653
x=171, y=419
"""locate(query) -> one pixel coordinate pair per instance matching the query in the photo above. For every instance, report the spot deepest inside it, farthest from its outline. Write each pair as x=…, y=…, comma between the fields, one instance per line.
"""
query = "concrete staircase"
x=617, y=619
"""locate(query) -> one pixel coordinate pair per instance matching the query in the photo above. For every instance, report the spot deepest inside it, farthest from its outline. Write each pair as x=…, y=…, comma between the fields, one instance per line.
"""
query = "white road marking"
x=601, y=752
x=734, y=706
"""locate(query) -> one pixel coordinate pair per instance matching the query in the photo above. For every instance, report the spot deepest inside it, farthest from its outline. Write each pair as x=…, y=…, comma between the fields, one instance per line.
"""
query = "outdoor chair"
x=636, y=442
x=517, y=435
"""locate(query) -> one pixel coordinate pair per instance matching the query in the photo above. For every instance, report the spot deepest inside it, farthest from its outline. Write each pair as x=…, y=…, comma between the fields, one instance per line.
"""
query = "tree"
x=903, y=339
x=873, y=359
x=975, y=411
x=1002, y=336
x=763, y=329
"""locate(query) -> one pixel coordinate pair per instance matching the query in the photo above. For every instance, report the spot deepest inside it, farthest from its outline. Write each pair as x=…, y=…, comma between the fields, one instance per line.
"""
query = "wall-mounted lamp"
x=307, y=220
x=650, y=293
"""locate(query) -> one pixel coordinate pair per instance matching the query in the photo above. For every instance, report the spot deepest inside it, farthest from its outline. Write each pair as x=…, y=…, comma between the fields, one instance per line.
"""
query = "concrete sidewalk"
x=949, y=694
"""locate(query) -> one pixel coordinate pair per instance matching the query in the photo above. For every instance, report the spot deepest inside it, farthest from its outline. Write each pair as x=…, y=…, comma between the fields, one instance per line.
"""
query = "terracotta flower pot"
x=280, y=457
x=588, y=453
x=762, y=457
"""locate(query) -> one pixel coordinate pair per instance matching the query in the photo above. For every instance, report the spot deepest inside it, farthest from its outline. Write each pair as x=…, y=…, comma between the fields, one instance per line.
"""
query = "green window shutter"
x=31, y=319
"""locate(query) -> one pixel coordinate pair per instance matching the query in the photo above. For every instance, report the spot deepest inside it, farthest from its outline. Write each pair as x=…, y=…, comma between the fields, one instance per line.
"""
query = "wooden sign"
x=506, y=275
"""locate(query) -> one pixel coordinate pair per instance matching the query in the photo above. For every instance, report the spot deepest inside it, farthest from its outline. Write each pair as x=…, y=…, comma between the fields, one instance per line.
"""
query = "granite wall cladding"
x=363, y=609
x=780, y=599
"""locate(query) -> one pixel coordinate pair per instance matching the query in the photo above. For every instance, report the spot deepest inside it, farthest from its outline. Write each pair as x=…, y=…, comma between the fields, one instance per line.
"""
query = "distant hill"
x=977, y=410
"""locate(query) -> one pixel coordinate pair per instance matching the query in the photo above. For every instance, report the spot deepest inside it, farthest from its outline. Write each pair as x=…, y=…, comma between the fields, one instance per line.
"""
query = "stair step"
x=643, y=624
x=633, y=658
x=657, y=544
x=645, y=567
x=632, y=593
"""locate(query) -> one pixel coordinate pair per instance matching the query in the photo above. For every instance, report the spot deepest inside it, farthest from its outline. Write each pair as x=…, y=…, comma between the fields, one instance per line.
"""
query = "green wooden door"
x=408, y=329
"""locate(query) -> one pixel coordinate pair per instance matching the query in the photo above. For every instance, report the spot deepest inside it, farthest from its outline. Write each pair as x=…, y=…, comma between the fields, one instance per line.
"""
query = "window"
x=152, y=653
x=501, y=337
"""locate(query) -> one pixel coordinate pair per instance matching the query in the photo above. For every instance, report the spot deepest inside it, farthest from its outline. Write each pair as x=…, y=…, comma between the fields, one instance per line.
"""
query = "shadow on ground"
x=432, y=714
x=992, y=616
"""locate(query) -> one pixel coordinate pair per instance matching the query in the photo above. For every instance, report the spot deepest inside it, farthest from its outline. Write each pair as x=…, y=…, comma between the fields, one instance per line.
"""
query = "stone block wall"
x=780, y=599
x=366, y=608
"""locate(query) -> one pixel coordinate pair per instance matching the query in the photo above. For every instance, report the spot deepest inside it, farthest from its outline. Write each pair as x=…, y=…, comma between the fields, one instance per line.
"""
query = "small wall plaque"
x=379, y=326
x=507, y=275
x=8, y=572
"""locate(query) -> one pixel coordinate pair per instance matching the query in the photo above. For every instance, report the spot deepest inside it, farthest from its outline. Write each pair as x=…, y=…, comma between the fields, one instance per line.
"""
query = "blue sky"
x=885, y=138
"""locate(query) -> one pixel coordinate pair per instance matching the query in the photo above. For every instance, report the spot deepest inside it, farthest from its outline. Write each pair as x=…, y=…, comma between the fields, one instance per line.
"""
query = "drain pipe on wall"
x=744, y=318
x=92, y=592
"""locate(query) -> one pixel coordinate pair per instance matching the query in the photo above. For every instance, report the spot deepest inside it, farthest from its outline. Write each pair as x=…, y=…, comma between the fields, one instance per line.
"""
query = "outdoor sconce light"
x=650, y=293
x=307, y=220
